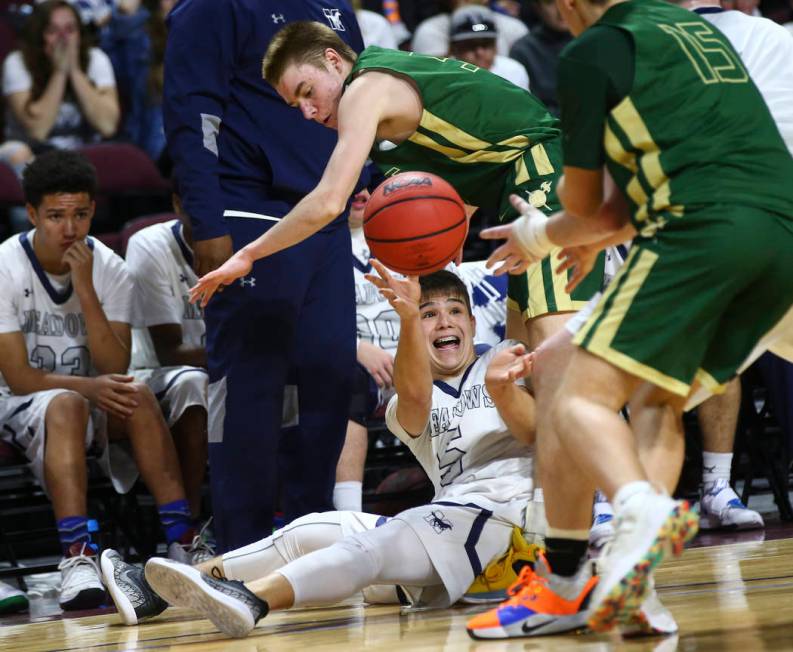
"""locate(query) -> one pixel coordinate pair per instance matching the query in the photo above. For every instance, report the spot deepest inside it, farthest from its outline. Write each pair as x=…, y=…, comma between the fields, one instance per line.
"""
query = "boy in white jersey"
x=454, y=410
x=168, y=346
x=377, y=327
x=64, y=351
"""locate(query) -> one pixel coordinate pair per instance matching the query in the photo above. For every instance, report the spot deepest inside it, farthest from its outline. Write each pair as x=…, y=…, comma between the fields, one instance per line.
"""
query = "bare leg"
x=64, y=454
x=275, y=590
x=718, y=419
x=190, y=438
x=153, y=448
x=353, y=455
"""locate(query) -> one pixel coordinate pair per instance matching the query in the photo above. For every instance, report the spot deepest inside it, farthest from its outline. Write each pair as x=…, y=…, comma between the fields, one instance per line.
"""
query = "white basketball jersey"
x=376, y=321
x=466, y=448
x=161, y=264
x=766, y=49
x=46, y=309
x=488, y=300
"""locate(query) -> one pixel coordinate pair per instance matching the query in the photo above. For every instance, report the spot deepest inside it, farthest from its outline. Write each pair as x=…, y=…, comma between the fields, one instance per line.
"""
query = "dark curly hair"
x=443, y=282
x=57, y=171
x=36, y=61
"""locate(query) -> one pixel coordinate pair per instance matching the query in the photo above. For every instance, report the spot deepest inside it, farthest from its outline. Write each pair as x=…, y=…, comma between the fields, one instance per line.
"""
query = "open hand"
x=508, y=365
x=403, y=294
x=516, y=254
x=238, y=266
x=581, y=260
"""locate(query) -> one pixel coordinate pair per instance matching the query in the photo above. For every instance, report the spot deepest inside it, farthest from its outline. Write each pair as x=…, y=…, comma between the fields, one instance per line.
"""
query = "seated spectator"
x=432, y=35
x=473, y=38
x=59, y=91
x=64, y=352
x=375, y=28
x=539, y=50
x=168, y=351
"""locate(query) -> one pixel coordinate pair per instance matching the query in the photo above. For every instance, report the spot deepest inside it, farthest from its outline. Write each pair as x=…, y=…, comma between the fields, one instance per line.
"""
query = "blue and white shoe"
x=720, y=507
x=602, y=529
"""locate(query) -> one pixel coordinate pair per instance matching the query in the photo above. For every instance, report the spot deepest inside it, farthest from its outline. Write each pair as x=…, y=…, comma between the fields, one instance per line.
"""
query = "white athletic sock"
x=347, y=496
x=715, y=466
x=628, y=492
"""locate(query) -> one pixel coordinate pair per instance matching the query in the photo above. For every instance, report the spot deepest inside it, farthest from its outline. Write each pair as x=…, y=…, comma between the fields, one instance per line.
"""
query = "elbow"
x=108, y=126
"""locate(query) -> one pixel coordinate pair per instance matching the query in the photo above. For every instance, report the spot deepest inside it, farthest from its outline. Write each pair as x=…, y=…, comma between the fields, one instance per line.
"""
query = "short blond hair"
x=301, y=42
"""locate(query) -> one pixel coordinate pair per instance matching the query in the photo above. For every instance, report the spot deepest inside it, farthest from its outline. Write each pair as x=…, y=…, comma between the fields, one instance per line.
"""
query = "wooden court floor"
x=736, y=596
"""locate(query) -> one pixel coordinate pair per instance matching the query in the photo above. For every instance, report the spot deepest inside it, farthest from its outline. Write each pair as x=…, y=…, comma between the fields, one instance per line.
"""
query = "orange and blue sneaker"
x=541, y=603
x=648, y=527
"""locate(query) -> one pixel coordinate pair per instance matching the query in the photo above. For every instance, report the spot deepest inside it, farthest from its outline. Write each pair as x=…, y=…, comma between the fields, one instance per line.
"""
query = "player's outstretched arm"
x=360, y=111
x=412, y=372
x=514, y=403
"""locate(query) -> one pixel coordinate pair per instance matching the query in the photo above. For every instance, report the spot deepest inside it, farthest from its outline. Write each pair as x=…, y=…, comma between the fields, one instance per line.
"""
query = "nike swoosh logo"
x=527, y=630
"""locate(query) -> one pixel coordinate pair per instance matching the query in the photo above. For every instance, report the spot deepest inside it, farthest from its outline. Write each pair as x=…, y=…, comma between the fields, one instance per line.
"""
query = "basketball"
x=415, y=223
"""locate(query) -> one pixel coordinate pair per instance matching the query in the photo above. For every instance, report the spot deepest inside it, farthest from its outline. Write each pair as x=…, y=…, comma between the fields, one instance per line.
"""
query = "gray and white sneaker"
x=199, y=550
x=131, y=593
x=231, y=607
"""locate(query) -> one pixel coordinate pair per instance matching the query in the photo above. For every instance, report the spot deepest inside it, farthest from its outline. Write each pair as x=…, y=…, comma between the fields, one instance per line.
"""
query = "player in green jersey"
x=659, y=99
x=484, y=135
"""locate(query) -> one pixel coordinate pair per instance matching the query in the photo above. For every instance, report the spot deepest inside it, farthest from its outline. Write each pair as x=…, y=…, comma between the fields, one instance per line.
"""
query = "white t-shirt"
x=767, y=51
x=432, y=35
x=467, y=450
x=46, y=309
x=70, y=129
x=511, y=70
x=161, y=265
x=375, y=29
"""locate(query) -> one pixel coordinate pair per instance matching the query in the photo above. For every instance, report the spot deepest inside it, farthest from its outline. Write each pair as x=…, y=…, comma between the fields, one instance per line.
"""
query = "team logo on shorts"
x=539, y=198
x=438, y=522
x=334, y=18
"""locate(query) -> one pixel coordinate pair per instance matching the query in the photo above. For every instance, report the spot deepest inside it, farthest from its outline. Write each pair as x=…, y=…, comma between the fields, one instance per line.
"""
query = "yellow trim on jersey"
x=600, y=343
x=521, y=172
x=450, y=132
x=541, y=160
x=426, y=141
x=709, y=382
x=630, y=121
x=537, y=303
x=617, y=152
x=564, y=302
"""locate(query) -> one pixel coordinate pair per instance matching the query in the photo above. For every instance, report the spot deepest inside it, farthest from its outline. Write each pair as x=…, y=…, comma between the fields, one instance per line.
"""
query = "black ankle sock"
x=564, y=555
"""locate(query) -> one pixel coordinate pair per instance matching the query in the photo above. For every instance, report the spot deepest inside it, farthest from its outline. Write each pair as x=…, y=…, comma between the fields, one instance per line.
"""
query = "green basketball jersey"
x=694, y=130
x=479, y=132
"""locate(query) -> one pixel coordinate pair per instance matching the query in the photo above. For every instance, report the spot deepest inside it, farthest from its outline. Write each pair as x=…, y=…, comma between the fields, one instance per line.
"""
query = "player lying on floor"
x=472, y=417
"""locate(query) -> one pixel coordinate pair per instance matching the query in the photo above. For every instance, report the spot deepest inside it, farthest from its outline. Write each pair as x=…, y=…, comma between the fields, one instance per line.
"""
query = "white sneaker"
x=200, y=549
x=602, y=529
x=720, y=507
x=12, y=599
x=649, y=526
x=81, y=580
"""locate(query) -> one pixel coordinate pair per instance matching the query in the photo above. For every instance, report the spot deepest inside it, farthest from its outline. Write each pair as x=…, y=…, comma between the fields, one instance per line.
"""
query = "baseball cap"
x=472, y=22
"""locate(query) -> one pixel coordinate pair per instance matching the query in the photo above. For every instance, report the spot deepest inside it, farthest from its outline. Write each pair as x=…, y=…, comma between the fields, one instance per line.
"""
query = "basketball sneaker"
x=720, y=507
x=231, y=607
x=12, y=600
x=649, y=526
x=195, y=549
x=541, y=603
x=131, y=593
x=602, y=522
x=652, y=618
x=492, y=583
x=81, y=581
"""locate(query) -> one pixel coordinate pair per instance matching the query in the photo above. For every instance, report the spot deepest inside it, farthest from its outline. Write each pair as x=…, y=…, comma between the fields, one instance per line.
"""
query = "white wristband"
x=530, y=231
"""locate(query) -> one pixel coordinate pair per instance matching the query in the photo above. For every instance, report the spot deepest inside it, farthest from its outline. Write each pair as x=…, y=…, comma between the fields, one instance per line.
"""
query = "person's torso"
x=694, y=130
x=766, y=50
x=467, y=450
x=167, y=243
x=475, y=126
x=50, y=316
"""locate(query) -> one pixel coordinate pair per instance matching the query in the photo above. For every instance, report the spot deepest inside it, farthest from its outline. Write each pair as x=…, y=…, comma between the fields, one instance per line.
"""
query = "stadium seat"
x=122, y=168
x=10, y=188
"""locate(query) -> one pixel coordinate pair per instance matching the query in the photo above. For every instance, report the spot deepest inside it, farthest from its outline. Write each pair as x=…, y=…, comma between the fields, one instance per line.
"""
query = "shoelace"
x=69, y=565
x=200, y=548
x=525, y=587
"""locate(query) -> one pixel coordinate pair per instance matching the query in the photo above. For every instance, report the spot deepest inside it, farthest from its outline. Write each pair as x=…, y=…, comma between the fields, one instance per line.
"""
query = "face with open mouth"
x=449, y=331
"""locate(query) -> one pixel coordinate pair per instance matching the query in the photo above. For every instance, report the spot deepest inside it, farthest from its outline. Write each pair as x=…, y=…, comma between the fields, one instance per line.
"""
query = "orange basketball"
x=415, y=223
